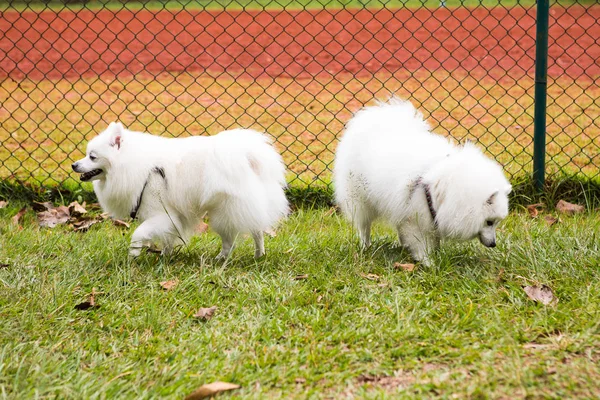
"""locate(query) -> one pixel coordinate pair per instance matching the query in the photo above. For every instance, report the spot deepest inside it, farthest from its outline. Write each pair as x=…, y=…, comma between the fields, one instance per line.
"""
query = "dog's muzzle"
x=86, y=176
x=486, y=243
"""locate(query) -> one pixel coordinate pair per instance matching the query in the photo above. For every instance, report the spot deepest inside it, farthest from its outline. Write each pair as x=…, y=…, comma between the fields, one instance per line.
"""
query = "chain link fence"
x=297, y=69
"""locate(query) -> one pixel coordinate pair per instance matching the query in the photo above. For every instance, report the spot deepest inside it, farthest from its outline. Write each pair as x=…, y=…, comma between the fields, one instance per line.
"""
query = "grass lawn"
x=463, y=328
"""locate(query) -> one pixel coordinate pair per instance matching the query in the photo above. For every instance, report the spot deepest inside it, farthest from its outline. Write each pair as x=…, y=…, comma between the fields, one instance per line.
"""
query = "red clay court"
x=496, y=42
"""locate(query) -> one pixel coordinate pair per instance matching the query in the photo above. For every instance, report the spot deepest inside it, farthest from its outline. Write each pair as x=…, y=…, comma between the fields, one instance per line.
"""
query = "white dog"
x=236, y=177
x=388, y=164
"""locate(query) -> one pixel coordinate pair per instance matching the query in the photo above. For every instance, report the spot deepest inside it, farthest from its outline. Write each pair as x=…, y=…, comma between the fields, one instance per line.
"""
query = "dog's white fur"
x=386, y=156
x=236, y=177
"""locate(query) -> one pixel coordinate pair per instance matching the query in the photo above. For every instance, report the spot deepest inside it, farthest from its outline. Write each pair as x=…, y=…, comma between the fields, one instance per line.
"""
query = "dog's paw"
x=259, y=254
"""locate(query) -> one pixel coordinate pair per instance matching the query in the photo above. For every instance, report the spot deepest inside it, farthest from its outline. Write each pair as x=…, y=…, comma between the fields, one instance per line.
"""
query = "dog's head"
x=100, y=154
x=494, y=210
x=471, y=193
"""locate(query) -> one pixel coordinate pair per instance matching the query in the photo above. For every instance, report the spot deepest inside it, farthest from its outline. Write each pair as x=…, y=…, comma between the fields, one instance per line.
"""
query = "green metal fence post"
x=541, y=78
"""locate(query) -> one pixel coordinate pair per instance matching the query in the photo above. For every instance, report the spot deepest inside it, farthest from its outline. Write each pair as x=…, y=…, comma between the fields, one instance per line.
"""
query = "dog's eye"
x=92, y=157
x=489, y=222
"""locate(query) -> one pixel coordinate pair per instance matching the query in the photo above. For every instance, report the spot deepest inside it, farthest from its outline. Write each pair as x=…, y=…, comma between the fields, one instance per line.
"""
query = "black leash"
x=432, y=210
x=157, y=170
x=135, y=210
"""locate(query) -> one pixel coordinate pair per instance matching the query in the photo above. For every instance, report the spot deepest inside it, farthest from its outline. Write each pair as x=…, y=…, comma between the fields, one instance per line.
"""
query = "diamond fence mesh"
x=295, y=69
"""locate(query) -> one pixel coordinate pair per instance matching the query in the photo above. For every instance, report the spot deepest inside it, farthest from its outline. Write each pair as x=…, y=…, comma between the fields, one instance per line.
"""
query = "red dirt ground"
x=493, y=42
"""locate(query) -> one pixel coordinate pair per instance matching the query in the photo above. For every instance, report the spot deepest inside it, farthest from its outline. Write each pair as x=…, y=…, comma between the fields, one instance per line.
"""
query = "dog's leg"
x=227, y=239
x=259, y=244
x=364, y=232
x=420, y=243
x=159, y=228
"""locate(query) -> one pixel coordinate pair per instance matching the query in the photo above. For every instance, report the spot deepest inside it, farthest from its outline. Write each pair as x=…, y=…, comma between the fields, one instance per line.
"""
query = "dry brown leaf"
x=90, y=303
x=4, y=265
x=371, y=277
x=542, y=294
x=569, y=208
x=53, y=217
x=405, y=267
x=205, y=313
x=15, y=220
x=300, y=277
x=84, y=225
x=3, y=203
x=550, y=220
x=300, y=380
x=210, y=390
x=168, y=285
x=533, y=209
x=76, y=208
x=202, y=227
x=119, y=223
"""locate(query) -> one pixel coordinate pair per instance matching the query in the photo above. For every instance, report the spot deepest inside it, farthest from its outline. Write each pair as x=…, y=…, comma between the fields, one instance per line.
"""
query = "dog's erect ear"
x=492, y=198
x=116, y=134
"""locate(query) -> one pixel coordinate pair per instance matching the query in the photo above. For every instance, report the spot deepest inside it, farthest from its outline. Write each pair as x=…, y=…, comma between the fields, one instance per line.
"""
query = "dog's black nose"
x=74, y=166
x=493, y=244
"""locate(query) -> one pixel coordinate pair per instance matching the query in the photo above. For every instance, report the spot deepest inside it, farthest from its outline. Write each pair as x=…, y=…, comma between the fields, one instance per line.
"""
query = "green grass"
x=463, y=328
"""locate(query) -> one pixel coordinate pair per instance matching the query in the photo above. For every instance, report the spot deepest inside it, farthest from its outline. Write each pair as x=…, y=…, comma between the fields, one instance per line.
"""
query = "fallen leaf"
x=53, y=217
x=15, y=220
x=205, y=313
x=202, y=227
x=210, y=390
x=4, y=265
x=300, y=277
x=271, y=233
x=94, y=206
x=533, y=209
x=405, y=267
x=371, y=277
x=3, y=203
x=569, y=208
x=76, y=209
x=84, y=225
x=119, y=223
x=168, y=285
x=542, y=294
x=550, y=220
x=90, y=303
x=300, y=380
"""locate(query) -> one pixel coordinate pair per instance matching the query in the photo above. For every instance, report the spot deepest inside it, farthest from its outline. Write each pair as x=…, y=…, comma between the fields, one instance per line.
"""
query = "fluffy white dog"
x=388, y=164
x=236, y=177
